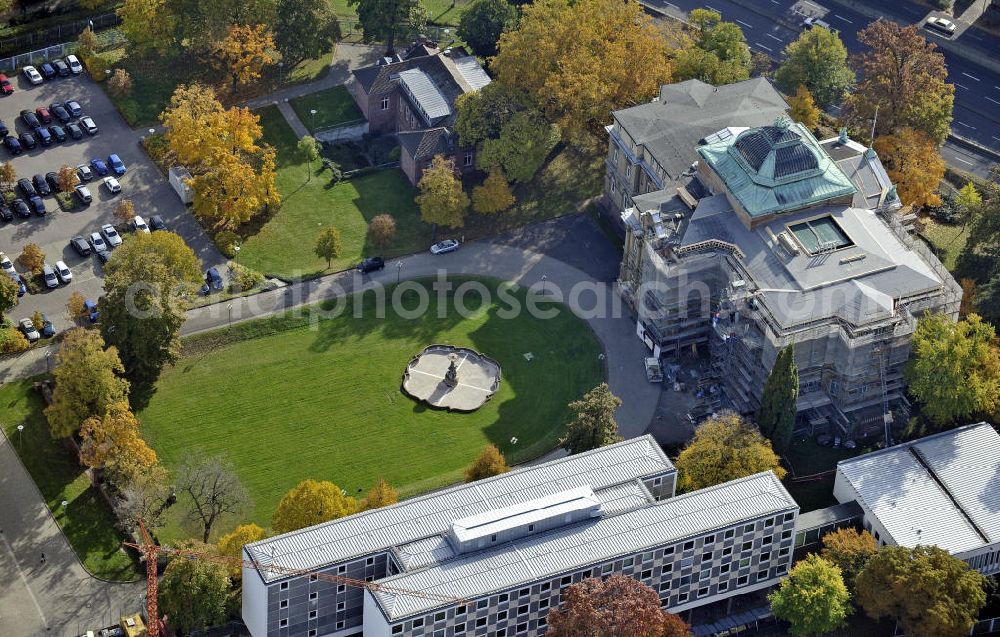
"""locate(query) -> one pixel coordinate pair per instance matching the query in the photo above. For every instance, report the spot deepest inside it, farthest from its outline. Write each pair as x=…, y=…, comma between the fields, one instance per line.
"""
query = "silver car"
x=63, y=272
x=49, y=274
x=111, y=235
x=32, y=75
x=97, y=241
x=28, y=328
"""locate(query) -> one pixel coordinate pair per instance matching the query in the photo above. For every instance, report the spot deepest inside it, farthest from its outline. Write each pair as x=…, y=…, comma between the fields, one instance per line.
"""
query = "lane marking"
x=966, y=125
x=775, y=2
x=24, y=580
x=995, y=137
x=971, y=77
x=764, y=47
x=749, y=26
x=993, y=100
x=961, y=86
x=773, y=37
x=842, y=18
x=711, y=9
x=964, y=161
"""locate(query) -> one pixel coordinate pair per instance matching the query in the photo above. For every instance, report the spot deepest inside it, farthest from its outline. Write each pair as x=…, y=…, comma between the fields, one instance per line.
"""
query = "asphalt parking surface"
x=148, y=189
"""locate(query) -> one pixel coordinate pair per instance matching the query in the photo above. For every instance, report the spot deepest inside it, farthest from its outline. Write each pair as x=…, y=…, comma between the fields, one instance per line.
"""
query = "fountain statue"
x=451, y=376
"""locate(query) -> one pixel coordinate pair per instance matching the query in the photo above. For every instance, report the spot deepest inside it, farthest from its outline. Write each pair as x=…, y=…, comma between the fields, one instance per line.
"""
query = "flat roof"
x=942, y=490
x=382, y=529
x=573, y=547
x=554, y=505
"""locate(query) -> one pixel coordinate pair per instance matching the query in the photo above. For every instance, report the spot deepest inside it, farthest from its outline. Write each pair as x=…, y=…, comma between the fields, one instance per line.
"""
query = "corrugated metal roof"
x=570, y=548
x=942, y=490
x=421, y=88
x=379, y=530
x=571, y=501
x=472, y=72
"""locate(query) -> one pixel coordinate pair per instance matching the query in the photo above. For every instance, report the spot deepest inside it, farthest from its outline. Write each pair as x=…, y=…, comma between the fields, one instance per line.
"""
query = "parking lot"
x=142, y=183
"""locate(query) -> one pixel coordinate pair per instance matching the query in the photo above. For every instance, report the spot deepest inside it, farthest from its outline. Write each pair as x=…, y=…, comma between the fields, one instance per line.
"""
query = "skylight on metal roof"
x=820, y=235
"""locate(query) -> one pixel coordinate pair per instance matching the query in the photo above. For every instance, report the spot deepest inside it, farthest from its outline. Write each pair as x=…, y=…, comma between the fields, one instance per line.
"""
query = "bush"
x=120, y=83
x=242, y=278
x=13, y=341
x=98, y=67
x=159, y=151
x=226, y=241
x=129, y=110
x=395, y=153
x=382, y=230
x=66, y=201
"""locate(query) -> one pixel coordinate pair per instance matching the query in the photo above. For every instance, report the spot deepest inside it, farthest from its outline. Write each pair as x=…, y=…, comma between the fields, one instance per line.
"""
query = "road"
x=977, y=89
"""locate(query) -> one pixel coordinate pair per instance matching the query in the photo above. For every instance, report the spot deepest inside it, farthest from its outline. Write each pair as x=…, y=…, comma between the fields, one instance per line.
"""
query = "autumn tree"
x=88, y=380
x=760, y=64
x=489, y=463
x=725, y=447
x=32, y=258
x=120, y=83
x=87, y=42
x=194, y=593
x=441, y=199
x=778, y=403
x=12, y=340
x=329, y=245
x=674, y=626
x=149, y=26
x=311, y=502
x=245, y=52
x=580, y=61
x=850, y=550
x=927, y=590
x=968, y=198
x=75, y=306
x=231, y=545
x=67, y=178
x=954, y=368
x=612, y=607
x=230, y=192
x=143, y=498
x=124, y=211
x=380, y=495
x=494, y=195
x=304, y=29
x=813, y=598
x=482, y=23
x=803, y=109
x=8, y=175
x=382, y=230
x=112, y=442
x=905, y=77
x=8, y=293
x=818, y=61
x=914, y=166
x=389, y=20
x=594, y=423
x=213, y=489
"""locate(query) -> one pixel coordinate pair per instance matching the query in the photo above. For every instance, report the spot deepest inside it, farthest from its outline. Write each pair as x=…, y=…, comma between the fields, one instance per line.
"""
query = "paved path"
x=58, y=597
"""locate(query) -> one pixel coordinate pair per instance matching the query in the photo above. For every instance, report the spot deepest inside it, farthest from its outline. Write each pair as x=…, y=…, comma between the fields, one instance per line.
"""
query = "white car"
x=5, y=264
x=448, y=245
x=942, y=25
x=28, y=329
x=97, y=241
x=139, y=224
x=811, y=22
x=74, y=64
x=50, y=277
x=112, y=185
x=62, y=271
x=111, y=235
x=32, y=75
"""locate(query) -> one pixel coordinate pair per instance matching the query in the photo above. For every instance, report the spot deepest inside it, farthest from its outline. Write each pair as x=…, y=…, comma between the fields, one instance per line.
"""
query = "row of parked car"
x=69, y=65
x=42, y=186
x=44, y=130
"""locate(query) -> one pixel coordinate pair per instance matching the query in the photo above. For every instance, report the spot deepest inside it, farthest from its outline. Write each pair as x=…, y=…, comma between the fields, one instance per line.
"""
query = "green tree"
x=968, y=197
x=142, y=309
x=818, y=61
x=194, y=593
x=927, y=590
x=389, y=20
x=304, y=29
x=483, y=113
x=231, y=545
x=441, y=199
x=594, y=424
x=803, y=109
x=618, y=605
x=954, y=368
x=309, y=151
x=522, y=146
x=329, y=245
x=776, y=415
x=489, y=463
x=813, y=598
x=850, y=550
x=725, y=447
x=149, y=26
x=483, y=22
x=8, y=293
x=718, y=54
x=493, y=195
x=311, y=502
x=905, y=78
x=380, y=495
x=88, y=380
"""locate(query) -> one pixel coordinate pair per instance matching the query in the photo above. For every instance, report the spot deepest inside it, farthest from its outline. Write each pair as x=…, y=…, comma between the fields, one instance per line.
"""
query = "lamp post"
x=20, y=443
x=229, y=307
x=48, y=358
x=281, y=72
x=236, y=250
x=312, y=120
x=399, y=270
x=543, y=284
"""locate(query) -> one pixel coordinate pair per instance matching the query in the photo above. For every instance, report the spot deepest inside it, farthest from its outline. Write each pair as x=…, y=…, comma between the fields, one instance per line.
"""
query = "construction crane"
x=150, y=550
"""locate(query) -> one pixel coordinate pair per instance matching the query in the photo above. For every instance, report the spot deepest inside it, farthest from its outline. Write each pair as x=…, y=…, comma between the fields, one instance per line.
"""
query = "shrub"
x=242, y=278
x=98, y=66
x=159, y=151
x=32, y=258
x=13, y=341
x=120, y=83
x=226, y=241
x=129, y=110
x=66, y=201
x=382, y=230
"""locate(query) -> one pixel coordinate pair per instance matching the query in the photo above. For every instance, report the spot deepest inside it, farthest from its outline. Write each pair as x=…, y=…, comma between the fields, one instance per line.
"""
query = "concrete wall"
x=254, y=601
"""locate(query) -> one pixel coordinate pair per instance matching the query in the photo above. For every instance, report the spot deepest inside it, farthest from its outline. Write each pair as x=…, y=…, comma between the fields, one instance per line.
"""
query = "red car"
x=43, y=114
x=5, y=85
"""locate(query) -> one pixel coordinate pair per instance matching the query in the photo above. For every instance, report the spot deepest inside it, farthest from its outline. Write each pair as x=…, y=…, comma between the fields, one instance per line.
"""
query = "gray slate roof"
x=421, y=144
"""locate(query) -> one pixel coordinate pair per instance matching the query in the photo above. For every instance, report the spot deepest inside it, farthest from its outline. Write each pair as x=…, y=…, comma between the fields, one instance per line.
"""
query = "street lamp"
x=399, y=270
x=230, y=308
x=48, y=367
x=543, y=284
x=236, y=250
x=20, y=445
x=312, y=120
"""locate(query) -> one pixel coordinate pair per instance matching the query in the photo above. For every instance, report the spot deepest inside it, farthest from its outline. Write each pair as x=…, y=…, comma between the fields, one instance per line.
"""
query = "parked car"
x=30, y=119
x=27, y=140
x=156, y=223
x=47, y=70
x=74, y=65
x=22, y=289
x=83, y=194
x=58, y=133
x=97, y=241
x=80, y=245
x=13, y=145
x=4, y=131
x=60, y=112
x=44, y=136
x=32, y=75
x=28, y=329
x=74, y=108
x=25, y=186
x=111, y=235
x=448, y=245
x=48, y=329
x=99, y=166
x=5, y=212
x=62, y=69
x=941, y=25
x=84, y=173
x=5, y=85
x=6, y=265
x=103, y=256
x=112, y=185
x=74, y=131
x=63, y=272
x=139, y=224
x=43, y=114
x=213, y=278
x=87, y=122
x=117, y=165
x=21, y=208
x=52, y=179
x=371, y=264
x=38, y=205
x=49, y=275
x=42, y=186
x=90, y=309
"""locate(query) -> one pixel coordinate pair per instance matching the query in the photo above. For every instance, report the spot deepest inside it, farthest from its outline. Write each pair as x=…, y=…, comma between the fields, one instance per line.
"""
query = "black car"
x=13, y=145
x=74, y=131
x=58, y=133
x=52, y=179
x=4, y=131
x=5, y=212
x=103, y=255
x=156, y=223
x=62, y=69
x=26, y=187
x=30, y=119
x=74, y=108
x=60, y=112
x=43, y=135
x=80, y=245
x=27, y=140
x=371, y=264
x=38, y=206
x=21, y=208
x=41, y=185
x=47, y=70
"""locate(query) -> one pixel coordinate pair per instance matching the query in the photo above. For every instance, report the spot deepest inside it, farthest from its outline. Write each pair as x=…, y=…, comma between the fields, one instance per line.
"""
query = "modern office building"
x=491, y=557
x=943, y=490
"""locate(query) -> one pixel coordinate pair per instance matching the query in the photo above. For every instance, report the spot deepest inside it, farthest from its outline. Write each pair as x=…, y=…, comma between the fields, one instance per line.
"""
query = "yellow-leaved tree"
x=311, y=502
x=231, y=544
x=914, y=165
x=725, y=447
x=245, y=52
x=113, y=442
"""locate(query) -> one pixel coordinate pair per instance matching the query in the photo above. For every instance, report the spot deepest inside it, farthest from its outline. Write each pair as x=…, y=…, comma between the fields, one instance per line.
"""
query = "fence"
x=12, y=64
x=232, y=629
x=55, y=34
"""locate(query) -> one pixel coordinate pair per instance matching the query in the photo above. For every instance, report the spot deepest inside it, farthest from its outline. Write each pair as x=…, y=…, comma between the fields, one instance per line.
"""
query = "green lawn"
x=285, y=400
x=284, y=245
x=946, y=239
x=333, y=106
x=86, y=520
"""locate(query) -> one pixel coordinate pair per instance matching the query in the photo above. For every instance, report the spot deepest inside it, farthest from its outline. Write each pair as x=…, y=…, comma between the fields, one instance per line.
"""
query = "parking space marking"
x=773, y=37
x=992, y=100
x=964, y=124
x=749, y=26
x=964, y=161
x=971, y=77
x=712, y=9
x=764, y=47
x=961, y=86
x=842, y=18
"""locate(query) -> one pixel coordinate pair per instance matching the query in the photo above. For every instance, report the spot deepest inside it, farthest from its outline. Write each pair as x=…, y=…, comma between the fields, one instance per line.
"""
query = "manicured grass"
x=152, y=86
x=438, y=11
x=284, y=245
x=333, y=106
x=86, y=520
x=946, y=239
x=285, y=400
